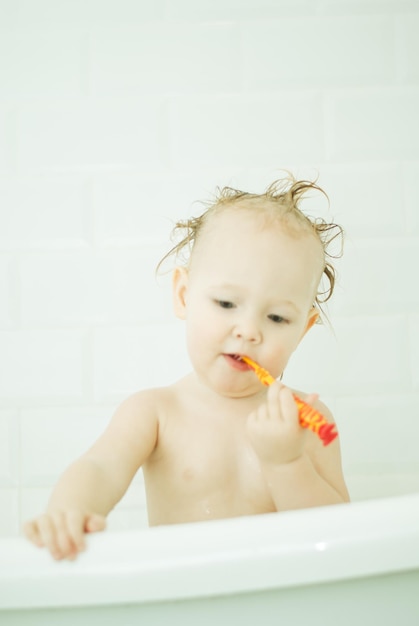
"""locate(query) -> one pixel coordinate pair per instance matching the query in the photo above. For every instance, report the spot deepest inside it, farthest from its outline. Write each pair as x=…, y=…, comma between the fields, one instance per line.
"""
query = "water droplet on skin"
x=207, y=510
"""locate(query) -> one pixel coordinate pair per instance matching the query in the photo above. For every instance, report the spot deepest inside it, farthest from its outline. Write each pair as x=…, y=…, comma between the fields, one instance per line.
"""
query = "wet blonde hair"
x=281, y=202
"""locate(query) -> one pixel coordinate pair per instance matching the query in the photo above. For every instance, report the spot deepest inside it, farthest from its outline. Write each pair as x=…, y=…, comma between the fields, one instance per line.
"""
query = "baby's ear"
x=180, y=287
x=312, y=317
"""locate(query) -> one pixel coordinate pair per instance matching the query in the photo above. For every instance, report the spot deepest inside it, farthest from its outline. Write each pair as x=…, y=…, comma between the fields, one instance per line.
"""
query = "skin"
x=217, y=443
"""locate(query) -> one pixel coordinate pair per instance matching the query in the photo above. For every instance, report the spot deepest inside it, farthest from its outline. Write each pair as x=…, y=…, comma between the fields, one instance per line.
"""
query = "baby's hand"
x=62, y=532
x=274, y=428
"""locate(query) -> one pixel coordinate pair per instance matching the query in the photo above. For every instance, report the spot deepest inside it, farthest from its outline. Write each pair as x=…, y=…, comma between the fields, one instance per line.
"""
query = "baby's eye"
x=225, y=304
x=278, y=319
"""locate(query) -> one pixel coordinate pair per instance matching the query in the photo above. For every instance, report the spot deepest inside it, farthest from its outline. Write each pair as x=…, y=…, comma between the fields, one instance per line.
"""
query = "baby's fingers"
x=64, y=545
x=311, y=398
x=95, y=523
x=273, y=401
x=48, y=535
x=288, y=405
x=51, y=531
x=71, y=537
x=31, y=532
x=281, y=405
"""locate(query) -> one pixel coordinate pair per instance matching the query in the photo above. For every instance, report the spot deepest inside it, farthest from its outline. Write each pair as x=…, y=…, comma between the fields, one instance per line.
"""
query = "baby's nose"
x=247, y=330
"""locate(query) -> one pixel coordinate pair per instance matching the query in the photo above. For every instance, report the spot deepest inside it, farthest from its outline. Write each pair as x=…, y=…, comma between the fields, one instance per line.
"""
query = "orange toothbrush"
x=309, y=417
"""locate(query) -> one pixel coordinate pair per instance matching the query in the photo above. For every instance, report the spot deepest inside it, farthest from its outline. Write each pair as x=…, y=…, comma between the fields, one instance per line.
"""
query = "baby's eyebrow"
x=288, y=303
x=225, y=286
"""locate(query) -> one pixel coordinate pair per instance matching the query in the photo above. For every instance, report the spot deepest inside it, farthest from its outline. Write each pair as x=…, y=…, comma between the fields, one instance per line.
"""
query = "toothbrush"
x=308, y=416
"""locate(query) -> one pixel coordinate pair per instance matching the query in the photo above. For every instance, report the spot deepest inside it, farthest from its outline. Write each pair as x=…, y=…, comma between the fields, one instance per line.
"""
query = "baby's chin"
x=236, y=392
x=224, y=386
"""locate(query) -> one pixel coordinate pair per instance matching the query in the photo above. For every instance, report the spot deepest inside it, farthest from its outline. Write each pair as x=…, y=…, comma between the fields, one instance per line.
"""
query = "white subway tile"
x=414, y=347
x=7, y=138
x=8, y=296
x=237, y=9
x=375, y=124
x=130, y=359
x=373, y=354
x=85, y=288
x=43, y=212
x=9, y=14
x=328, y=56
x=245, y=131
x=136, y=209
x=363, y=355
x=88, y=13
x=411, y=177
x=42, y=61
x=365, y=198
x=40, y=366
x=261, y=10
x=165, y=58
x=376, y=277
x=370, y=482
x=33, y=501
x=9, y=513
x=111, y=133
x=9, y=448
x=375, y=429
x=366, y=7
x=52, y=438
x=408, y=44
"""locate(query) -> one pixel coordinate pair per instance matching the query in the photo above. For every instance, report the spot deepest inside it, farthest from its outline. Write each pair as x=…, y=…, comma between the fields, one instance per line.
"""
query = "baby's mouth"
x=237, y=362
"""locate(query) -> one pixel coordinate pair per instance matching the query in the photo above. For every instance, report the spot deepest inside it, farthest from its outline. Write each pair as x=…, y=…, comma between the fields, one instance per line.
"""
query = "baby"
x=217, y=443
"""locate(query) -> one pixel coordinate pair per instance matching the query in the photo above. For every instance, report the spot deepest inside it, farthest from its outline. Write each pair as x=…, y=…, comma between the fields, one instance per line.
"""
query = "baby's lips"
x=237, y=358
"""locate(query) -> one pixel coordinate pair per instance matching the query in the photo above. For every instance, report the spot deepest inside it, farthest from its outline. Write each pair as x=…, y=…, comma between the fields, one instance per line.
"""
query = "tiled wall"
x=114, y=118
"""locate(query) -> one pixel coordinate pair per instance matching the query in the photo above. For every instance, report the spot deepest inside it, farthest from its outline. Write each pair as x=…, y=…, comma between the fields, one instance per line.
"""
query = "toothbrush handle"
x=308, y=416
x=315, y=421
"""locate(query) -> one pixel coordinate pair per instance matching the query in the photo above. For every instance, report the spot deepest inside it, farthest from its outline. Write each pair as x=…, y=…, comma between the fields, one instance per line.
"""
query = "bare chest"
x=211, y=461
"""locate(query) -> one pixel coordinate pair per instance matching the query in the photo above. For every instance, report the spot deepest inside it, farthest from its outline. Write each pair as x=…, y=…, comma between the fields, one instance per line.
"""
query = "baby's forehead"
x=259, y=214
x=253, y=232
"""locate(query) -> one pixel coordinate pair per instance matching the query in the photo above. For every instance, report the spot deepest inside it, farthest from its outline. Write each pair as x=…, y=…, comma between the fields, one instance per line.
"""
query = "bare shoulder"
x=135, y=421
x=147, y=399
x=144, y=407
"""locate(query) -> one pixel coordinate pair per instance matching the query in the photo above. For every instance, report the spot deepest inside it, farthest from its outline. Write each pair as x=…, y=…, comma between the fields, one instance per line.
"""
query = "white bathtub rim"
x=216, y=558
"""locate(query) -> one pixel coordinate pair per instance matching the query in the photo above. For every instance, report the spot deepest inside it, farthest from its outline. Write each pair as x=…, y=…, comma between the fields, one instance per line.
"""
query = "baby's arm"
x=92, y=485
x=299, y=470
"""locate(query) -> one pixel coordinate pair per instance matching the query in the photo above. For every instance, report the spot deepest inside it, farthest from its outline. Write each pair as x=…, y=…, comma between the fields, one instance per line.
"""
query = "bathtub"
x=345, y=564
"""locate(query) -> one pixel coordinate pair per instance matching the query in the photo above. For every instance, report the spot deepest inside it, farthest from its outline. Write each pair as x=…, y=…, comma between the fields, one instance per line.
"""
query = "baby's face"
x=249, y=291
